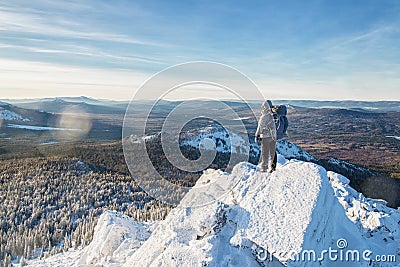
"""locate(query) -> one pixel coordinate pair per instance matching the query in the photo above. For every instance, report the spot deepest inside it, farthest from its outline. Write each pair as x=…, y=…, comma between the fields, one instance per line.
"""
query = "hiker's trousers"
x=268, y=154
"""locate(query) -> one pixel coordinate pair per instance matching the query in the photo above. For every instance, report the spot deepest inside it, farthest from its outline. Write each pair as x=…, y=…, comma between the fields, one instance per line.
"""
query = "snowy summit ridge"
x=227, y=144
x=294, y=214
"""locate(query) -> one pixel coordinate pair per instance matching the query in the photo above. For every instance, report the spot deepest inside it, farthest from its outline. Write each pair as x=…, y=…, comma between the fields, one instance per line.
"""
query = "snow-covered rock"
x=292, y=151
x=224, y=142
x=116, y=237
x=300, y=215
x=372, y=216
x=288, y=213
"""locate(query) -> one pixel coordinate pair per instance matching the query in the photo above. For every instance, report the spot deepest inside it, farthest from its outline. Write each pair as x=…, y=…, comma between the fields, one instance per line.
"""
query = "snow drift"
x=300, y=215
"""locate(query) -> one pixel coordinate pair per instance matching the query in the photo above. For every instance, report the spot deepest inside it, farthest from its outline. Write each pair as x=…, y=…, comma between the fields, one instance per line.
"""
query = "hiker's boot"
x=272, y=168
x=264, y=169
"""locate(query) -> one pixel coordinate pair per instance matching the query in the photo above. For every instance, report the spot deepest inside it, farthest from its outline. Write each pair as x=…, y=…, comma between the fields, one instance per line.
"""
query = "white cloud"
x=81, y=50
x=15, y=21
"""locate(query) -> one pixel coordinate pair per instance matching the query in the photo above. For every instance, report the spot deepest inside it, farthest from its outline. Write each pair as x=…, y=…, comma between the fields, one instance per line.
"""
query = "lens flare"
x=75, y=124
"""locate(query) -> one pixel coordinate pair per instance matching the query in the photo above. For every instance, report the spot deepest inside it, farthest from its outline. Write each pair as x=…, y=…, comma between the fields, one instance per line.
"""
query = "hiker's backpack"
x=281, y=121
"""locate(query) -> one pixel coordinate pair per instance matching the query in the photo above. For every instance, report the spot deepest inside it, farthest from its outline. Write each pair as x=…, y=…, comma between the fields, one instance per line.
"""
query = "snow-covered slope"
x=8, y=115
x=292, y=213
x=346, y=165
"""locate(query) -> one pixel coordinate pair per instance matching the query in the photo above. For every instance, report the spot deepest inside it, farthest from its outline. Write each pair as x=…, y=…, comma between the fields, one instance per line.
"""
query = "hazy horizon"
x=224, y=99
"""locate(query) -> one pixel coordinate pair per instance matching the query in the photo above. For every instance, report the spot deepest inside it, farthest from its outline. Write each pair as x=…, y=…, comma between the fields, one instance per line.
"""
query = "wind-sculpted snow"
x=298, y=210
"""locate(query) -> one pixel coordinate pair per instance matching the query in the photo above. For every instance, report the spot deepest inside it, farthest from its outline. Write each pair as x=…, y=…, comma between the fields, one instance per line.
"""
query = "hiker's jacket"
x=266, y=126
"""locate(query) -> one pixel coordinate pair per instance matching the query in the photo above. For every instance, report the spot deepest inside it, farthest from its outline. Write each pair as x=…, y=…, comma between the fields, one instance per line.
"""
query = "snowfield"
x=40, y=128
x=49, y=143
x=300, y=214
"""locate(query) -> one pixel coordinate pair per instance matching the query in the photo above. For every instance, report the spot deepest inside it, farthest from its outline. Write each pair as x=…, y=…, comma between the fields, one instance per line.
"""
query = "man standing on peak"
x=266, y=135
x=272, y=126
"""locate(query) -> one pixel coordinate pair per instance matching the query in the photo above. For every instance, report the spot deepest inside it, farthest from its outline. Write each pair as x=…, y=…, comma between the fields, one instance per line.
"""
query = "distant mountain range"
x=104, y=106
x=366, y=106
x=70, y=105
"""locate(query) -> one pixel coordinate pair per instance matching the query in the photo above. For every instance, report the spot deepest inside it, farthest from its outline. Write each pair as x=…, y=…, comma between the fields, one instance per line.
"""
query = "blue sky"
x=290, y=49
